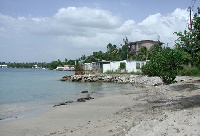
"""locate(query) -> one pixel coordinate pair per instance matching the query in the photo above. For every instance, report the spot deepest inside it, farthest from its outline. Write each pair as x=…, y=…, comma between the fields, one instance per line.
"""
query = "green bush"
x=164, y=64
x=122, y=65
x=189, y=71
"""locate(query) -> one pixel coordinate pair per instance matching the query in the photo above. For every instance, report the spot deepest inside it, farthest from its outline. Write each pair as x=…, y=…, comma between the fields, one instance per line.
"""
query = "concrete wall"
x=131, y=66
x=87, y=66
x=91, y=66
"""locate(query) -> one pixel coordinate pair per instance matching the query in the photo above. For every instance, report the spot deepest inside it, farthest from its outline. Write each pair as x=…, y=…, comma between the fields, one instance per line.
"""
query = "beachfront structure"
x=66, y=68
x=90, y=66
x=3, y=66
x=131, y=66
x=134, y=47
x=35, y=66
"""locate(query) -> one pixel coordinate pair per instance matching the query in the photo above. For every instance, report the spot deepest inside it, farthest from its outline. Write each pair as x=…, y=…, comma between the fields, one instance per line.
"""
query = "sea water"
x=29, y=91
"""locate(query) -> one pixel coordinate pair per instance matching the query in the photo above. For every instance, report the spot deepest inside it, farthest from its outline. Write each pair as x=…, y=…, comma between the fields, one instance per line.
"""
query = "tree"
x=59, y=62
x=83, y=57
x=154, y=49
x=189, y=41
x=53, y=64
x=124, y=54
x=142, y=53
x=164, y=64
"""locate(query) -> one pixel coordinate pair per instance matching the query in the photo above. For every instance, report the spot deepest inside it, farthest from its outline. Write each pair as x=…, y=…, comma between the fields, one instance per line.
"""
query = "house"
x=131, y=66
x=35, y=66
x=3, y=66
x=69, y=67
x=94, y=66
x=66, y=68
x=135, y=46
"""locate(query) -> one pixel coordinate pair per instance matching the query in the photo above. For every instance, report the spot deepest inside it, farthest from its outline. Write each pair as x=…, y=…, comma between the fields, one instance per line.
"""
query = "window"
x=137, y=65
x=139, y=46
x=133, y=47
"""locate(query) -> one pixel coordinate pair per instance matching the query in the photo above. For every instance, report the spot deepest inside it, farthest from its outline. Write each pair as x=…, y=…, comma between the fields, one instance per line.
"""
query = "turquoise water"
x=29, y=91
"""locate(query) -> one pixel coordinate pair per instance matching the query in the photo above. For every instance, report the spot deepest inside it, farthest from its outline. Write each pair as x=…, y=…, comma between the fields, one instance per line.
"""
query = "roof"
x=145, y=41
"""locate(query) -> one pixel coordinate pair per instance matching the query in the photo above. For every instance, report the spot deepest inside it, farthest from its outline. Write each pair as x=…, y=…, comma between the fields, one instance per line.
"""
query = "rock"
x=69, y=102
x=81, y=100
x=63, y=79
x=141, y=80
x=85, y=98
x=63, y=103
x=85, y=91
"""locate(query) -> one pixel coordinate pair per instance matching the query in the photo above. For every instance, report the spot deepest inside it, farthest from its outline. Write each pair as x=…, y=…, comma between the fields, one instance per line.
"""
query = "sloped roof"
x=145, y=41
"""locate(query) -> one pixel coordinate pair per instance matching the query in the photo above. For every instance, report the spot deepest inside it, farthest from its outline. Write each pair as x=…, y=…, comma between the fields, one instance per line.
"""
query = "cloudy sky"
x=47, y=30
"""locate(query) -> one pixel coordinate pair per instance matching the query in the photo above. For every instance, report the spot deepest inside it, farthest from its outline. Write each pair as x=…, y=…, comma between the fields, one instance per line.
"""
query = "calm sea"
x=26, y=92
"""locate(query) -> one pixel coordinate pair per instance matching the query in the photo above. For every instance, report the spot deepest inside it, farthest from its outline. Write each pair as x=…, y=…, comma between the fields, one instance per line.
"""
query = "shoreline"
x=44, y=107
x=139, y=110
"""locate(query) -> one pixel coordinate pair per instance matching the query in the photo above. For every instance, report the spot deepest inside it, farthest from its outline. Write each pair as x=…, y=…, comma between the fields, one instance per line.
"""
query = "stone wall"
x=133, y=79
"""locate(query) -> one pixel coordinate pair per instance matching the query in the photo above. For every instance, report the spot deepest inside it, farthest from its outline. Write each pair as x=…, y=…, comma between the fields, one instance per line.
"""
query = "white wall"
x=87, y=66
x=130, y=66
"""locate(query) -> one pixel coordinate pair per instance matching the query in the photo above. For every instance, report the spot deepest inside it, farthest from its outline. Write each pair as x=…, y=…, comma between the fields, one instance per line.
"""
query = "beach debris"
x=88, y=97
x=81, y=100
x=6, y=117
x=85, y=91
x=63, y=103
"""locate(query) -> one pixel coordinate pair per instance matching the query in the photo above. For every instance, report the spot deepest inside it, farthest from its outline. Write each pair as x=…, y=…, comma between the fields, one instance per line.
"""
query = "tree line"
x=25, y=65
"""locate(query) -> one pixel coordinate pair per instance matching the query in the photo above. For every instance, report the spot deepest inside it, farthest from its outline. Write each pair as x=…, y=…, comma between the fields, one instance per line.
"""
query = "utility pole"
x=190, y=8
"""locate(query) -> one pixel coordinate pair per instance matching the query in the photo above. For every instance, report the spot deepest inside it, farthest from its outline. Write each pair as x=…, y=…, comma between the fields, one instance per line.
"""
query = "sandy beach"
x=163, y=110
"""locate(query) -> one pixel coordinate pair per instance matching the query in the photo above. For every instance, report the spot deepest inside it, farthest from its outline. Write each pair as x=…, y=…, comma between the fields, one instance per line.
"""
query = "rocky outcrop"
x=85, y=91
x=63, y=103
x=133, y=79
x=85, y=98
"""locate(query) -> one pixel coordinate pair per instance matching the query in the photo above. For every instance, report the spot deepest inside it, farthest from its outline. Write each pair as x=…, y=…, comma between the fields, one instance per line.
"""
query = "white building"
x=91, y=66
x=131, y=66
x=66, y=68
x=3, y=66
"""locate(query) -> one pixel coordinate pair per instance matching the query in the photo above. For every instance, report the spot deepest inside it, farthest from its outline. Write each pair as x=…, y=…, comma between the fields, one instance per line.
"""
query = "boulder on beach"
x=85, y=91
x=63, y=103
x=84, y=99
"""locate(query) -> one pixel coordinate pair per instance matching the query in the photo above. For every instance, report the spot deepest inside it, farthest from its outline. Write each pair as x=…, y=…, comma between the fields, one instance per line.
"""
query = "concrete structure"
x=87, y=66
x=3, y=66
x=131, y=66
x=35, y=66
x=66, y=68
x=135, y=46
x=91, y=66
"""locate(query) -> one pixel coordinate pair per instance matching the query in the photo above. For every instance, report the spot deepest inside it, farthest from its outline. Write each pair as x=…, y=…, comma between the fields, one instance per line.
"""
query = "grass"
x=118, y=72
x=189, y=71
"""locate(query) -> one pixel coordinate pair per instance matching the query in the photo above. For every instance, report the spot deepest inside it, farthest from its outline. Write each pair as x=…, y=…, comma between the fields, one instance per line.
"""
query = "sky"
x=48, y=30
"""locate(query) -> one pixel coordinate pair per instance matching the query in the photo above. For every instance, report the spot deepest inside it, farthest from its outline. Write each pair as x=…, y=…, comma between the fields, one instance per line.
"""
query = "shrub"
x=189, y=71
x=164, y=64
x=122, y=65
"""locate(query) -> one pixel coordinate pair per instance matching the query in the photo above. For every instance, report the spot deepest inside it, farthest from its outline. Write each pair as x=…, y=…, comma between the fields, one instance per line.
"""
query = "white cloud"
x=86, y=17
x=72, y=32
x=157, y=24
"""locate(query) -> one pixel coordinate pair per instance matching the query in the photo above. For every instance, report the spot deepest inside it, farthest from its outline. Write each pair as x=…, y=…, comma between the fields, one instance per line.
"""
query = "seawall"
x=125, y=78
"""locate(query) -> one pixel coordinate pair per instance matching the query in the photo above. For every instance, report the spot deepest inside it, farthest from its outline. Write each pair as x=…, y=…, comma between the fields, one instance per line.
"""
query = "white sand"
x=164, y=110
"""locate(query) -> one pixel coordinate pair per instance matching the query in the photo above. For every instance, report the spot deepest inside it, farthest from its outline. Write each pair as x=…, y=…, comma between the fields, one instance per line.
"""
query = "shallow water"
x=29, y=91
